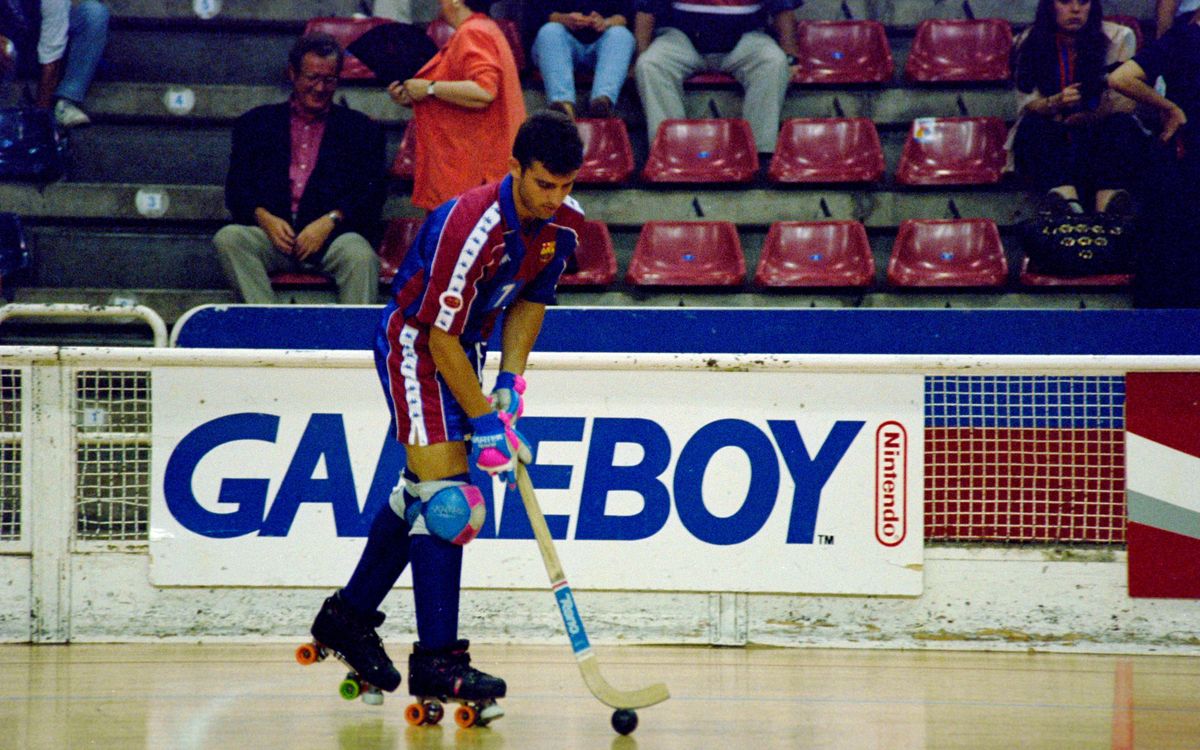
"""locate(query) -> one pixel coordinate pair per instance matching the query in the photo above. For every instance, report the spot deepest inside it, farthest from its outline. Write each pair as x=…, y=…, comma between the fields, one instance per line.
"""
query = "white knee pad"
x=450, y=510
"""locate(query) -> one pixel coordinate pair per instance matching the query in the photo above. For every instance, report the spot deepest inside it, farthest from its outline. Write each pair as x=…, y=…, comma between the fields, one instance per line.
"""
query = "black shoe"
x=1056, y=205
x=600, y=108
x=1120, y=206
x=447, y=673
x=566, y=108
x=339, y=628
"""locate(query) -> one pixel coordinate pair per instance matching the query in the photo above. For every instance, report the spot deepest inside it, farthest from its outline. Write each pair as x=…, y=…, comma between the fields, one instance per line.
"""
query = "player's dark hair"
x=551, y=138
x=318, y=43
x=1037, y=65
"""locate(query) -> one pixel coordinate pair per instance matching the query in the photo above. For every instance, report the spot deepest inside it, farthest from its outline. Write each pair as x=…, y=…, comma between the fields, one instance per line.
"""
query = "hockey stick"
x=604, y=692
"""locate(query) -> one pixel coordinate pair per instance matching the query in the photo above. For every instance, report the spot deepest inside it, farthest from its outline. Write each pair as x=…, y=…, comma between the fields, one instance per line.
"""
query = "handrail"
x=62, y=311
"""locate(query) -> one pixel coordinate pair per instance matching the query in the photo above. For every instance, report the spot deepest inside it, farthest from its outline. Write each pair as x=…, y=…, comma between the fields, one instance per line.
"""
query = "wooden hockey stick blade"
x=588, y=667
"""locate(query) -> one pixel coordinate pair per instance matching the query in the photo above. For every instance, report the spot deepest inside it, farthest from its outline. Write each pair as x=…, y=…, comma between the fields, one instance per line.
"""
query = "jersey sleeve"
x=458, y=253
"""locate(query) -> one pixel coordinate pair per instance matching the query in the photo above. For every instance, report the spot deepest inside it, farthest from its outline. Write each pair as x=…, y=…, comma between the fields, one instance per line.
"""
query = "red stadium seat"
x=956, y=50
x=607, y=153
x=397, y=238
x=710, y=78
x=288, y=280
x=512, y=32
x=818, y=253
x=831, y=150
x=346, y=30
x=595, y=261
x=843, y=52
x=406, y=154
x=1032, y=278
x=702, y=151
x=1132, y=22
x=440, y=32
x=957, y=252
x=687, y=253
x=953, y=151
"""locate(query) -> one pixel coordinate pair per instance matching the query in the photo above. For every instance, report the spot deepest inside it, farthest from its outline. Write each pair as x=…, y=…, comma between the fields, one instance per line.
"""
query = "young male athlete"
x=500, y=247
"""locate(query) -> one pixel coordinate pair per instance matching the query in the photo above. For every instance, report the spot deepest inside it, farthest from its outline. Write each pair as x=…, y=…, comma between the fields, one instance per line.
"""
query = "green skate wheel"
x=350, y=688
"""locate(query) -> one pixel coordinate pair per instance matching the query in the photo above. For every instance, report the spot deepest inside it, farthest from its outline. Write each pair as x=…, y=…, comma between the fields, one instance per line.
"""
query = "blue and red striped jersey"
x=470, y=260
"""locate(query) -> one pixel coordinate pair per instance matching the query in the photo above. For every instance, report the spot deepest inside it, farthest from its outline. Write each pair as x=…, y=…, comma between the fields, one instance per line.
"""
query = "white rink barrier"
x=729, y=499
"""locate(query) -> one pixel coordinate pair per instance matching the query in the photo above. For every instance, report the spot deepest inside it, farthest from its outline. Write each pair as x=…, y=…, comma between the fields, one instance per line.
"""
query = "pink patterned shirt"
x=306, y=132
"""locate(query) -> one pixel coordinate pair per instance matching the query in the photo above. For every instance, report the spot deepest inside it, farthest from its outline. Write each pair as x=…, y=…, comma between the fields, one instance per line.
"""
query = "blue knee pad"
x=452, y=510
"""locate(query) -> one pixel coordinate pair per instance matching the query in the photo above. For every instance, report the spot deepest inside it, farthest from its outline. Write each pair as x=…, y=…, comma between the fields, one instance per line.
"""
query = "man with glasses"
x=305, y=186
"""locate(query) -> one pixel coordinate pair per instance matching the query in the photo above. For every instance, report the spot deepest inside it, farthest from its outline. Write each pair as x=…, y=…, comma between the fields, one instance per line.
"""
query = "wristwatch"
x=429, y=91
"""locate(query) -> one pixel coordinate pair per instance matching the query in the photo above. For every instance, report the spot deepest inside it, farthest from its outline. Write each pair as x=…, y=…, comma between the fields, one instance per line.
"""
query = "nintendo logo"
x=891, y=484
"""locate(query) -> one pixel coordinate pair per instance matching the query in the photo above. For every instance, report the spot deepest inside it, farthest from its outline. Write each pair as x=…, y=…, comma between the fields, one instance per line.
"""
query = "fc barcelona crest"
x=546, y=252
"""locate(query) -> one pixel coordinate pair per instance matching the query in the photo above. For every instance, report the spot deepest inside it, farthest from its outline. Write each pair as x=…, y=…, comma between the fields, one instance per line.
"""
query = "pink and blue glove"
x=492, y=445
x=507, y=394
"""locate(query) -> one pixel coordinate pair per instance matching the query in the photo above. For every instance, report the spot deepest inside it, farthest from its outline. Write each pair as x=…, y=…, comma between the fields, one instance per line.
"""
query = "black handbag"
x=1073, y=245
x=31, y=148
x=393, y=51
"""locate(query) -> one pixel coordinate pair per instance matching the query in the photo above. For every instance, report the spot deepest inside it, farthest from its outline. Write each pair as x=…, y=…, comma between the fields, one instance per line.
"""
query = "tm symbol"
x=824, y=538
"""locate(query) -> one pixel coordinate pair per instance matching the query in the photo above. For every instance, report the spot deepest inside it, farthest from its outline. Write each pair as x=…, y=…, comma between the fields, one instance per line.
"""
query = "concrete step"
x=118, y=203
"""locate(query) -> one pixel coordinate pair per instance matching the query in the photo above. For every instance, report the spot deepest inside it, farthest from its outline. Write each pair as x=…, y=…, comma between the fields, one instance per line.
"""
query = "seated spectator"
x=305, y=184
x=1168, y=269
x=467, y=106
x=675, y=40
x=69, y=48
x=589, y=33
x=1072, y=132
x=1167, y=11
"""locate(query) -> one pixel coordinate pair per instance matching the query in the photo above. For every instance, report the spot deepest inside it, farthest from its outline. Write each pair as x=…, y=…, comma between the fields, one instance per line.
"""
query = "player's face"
x=315, y=82
x=538, y=193
x=1071, y=15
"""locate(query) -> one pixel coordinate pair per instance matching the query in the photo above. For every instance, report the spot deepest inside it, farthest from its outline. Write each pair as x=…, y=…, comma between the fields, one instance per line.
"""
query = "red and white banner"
x=1162, y=418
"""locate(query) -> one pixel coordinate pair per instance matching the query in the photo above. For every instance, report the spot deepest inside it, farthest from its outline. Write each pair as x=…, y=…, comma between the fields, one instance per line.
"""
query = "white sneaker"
x=67, y=115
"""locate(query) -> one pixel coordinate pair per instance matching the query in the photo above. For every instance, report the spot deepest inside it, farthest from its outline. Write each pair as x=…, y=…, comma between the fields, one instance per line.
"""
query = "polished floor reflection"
x=237, y=696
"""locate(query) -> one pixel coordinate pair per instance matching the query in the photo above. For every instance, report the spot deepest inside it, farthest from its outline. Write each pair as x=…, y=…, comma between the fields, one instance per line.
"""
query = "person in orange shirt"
x=467, y=106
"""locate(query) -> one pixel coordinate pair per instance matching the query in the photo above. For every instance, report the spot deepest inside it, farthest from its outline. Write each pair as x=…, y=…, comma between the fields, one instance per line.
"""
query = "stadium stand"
x=172, y=84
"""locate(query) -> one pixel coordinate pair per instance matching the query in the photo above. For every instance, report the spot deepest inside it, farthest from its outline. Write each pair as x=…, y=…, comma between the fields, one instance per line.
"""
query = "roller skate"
x=351, y=639
x=437, y=677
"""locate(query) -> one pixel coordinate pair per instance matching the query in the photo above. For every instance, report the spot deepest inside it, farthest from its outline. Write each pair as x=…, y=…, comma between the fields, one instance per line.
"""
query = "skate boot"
x=435, y=677
x=352, y=639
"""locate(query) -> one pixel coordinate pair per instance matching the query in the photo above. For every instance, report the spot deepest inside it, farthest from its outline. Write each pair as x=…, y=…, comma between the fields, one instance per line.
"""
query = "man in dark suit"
x=305, y=184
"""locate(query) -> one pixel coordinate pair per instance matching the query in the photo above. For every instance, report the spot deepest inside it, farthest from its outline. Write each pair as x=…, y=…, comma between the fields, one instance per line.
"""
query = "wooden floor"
x=256, y=696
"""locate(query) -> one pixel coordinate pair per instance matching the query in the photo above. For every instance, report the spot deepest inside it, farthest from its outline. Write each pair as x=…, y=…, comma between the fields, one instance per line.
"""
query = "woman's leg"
x=1044, y=155
x=554, y=52
x=610, y=56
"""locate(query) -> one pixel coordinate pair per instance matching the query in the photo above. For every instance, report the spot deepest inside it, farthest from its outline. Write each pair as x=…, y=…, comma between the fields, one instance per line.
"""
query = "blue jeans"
x=556, y=52
x=86, y=38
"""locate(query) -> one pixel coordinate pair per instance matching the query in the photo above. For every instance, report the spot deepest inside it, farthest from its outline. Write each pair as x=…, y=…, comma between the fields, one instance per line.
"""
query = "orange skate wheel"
x=465, y=716
x=416, y=714
x=307, y=654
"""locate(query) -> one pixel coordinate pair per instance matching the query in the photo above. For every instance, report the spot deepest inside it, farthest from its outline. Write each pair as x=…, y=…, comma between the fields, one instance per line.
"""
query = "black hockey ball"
x=624, y=720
